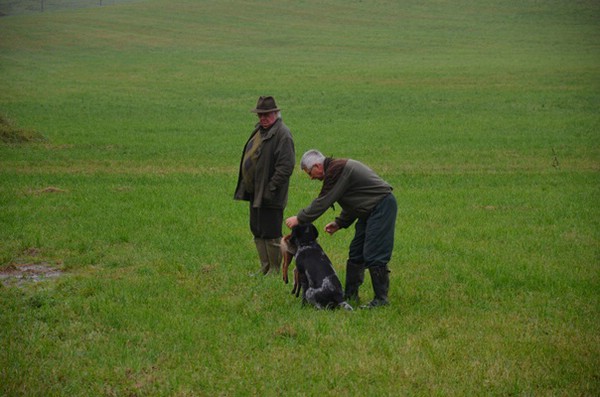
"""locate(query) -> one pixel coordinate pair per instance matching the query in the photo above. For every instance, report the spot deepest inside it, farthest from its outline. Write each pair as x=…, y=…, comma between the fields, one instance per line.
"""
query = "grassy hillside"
x=483, y=115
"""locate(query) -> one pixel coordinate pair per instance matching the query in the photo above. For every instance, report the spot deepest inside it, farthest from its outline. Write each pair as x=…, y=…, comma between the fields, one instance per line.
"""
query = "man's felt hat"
x=265, y=104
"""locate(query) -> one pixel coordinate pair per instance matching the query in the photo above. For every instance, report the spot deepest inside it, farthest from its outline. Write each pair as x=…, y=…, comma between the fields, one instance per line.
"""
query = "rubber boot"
x=380, y=277
x=274, y=253
x=263, y=254
x=355, y=275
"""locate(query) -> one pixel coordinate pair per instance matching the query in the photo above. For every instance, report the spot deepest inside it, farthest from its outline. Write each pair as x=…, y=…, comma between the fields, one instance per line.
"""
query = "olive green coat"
x=276, y=160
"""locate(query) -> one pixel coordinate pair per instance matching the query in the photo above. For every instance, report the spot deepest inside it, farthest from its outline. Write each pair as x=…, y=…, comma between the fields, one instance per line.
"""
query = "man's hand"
x=291, y=221
x=332, y=227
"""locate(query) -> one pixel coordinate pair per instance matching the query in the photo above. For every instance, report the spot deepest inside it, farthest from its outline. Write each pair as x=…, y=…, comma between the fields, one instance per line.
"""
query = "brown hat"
x=265, y=104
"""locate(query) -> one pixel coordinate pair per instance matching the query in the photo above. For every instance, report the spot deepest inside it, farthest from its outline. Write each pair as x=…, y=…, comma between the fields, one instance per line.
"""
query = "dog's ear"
x=293, y=234
x=314, y=231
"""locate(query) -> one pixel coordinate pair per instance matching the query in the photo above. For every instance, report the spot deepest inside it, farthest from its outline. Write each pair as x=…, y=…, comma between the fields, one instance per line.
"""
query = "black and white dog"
x=314, y=273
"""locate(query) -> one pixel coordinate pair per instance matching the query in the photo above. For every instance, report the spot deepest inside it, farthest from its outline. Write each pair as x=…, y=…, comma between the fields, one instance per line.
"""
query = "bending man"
x=365, y=198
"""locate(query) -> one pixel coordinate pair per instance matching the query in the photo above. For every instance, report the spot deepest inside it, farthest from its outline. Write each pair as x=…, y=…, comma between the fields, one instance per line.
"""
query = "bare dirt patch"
x=11, y=134
x=49, y=189
x=28, y=270
x=33, y=272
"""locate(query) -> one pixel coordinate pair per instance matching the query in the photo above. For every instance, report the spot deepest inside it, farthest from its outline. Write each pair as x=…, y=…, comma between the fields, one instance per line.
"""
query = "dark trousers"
x=265, y=223
x=373, y=240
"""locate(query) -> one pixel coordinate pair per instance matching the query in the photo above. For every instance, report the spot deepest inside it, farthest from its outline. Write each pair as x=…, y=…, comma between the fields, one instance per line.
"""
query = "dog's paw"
x=346, y=306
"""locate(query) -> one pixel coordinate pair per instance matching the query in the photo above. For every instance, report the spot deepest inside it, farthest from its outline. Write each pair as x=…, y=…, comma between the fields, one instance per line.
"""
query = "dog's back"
x=324, y=286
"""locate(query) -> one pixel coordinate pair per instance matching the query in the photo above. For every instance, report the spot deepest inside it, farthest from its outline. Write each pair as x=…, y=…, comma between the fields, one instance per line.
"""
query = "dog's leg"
x=296, y=289
x=287, y=253
x=304, y=286
x=287, y=259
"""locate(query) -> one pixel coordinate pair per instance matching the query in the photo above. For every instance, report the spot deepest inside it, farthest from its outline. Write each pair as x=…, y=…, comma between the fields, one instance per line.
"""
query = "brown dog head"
x=302, y=234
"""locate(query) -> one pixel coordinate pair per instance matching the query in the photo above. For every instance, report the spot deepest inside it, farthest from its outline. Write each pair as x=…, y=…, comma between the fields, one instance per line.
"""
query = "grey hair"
x=310, y=158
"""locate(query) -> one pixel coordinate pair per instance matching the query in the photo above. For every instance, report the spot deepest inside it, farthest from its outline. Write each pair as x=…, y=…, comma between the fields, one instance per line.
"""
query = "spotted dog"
x=314, y=274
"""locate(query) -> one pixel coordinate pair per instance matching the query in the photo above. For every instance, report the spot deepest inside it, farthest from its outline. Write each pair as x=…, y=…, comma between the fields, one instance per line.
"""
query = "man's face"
x=267, y=119
x=316, y=172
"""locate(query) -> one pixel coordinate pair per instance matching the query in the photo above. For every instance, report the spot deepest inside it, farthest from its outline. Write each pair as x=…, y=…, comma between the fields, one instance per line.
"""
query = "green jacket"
x=274, y=167
x=357, y=190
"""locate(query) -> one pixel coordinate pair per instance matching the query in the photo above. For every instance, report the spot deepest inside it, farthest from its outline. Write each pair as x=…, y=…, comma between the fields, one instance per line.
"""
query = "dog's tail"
x=287, y=257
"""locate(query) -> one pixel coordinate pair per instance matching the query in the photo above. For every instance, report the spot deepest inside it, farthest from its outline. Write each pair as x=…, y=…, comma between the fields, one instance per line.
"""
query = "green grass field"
x=122, y=128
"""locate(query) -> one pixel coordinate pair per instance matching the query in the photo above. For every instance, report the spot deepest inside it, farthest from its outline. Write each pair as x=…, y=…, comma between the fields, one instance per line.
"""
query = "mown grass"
x=482, y=115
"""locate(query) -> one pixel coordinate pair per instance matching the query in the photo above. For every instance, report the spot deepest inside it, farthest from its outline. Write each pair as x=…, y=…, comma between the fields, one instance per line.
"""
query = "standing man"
x=267, y=163
x=364, y=198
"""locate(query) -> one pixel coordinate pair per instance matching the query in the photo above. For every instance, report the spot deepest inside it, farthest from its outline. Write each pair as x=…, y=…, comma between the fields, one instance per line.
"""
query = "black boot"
x=380, y=277
x=355, y=275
